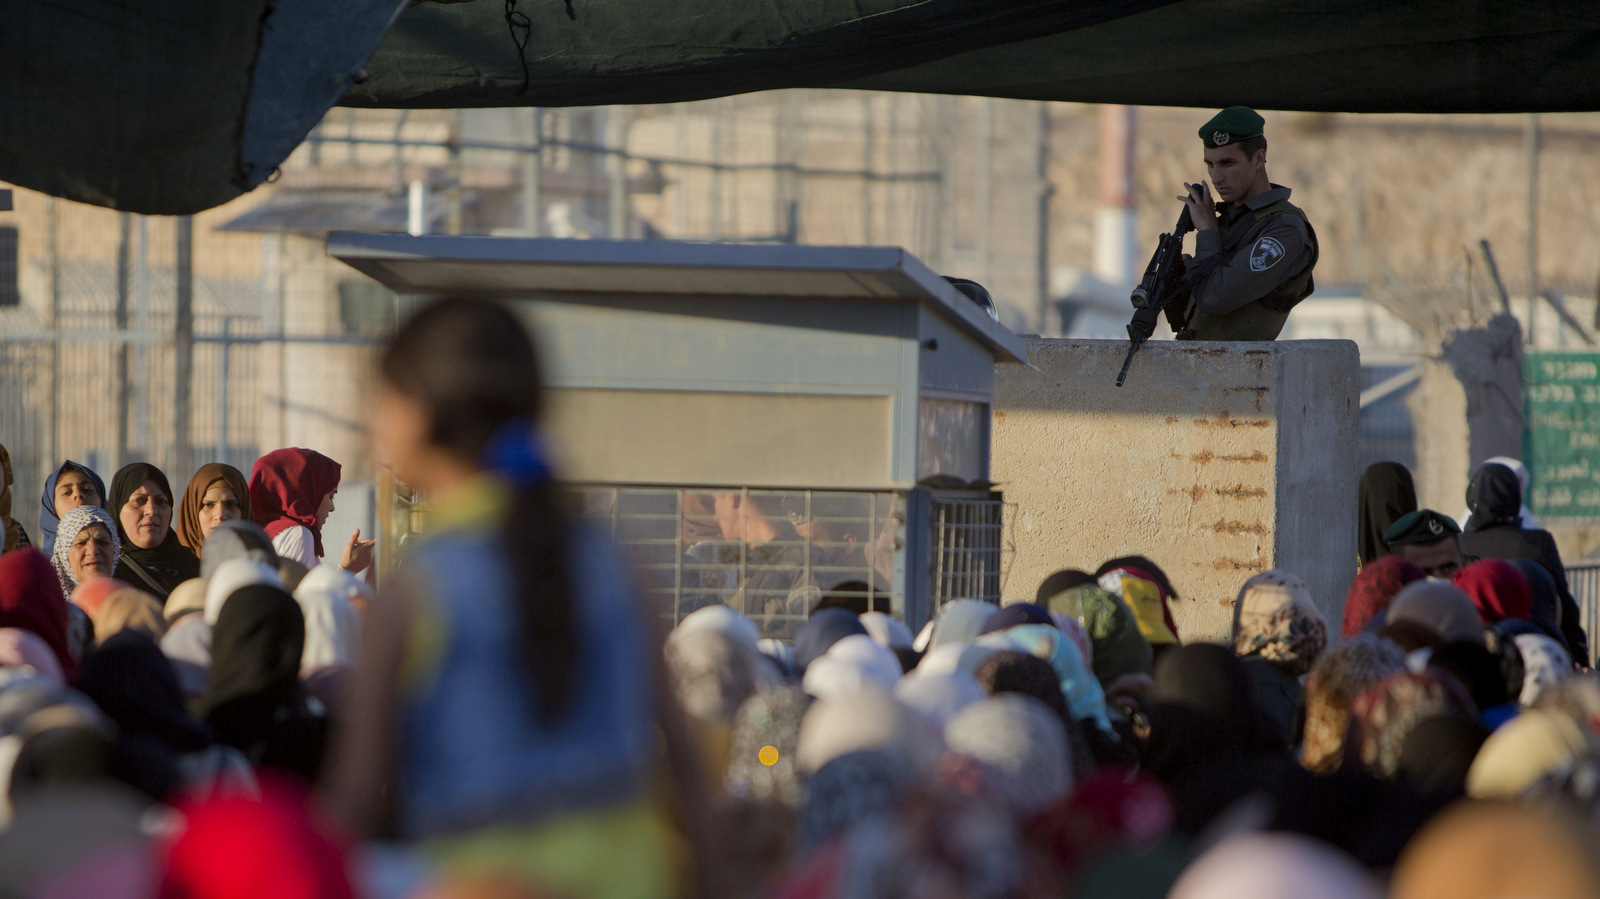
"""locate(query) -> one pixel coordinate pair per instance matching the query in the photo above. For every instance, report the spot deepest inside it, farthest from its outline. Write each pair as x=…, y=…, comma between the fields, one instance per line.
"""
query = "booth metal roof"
x=512, y=265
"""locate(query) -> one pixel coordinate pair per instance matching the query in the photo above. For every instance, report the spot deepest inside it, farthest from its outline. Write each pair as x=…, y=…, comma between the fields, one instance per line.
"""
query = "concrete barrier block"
x=1216, y=460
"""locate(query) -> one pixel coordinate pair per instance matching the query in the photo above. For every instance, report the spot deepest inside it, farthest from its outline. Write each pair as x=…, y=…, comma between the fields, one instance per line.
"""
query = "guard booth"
x=767, y=426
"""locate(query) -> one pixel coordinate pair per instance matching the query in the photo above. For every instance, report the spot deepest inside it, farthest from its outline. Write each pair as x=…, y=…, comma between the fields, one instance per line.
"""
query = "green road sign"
x=1563, y=436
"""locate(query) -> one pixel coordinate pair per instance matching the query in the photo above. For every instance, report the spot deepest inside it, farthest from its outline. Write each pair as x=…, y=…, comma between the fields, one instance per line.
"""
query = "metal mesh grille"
x=771, y=554
x=968, y=543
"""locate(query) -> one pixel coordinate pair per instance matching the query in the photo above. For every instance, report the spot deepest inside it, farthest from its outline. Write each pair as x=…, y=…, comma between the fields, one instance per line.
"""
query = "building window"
x=9, y=294
x=366, y=308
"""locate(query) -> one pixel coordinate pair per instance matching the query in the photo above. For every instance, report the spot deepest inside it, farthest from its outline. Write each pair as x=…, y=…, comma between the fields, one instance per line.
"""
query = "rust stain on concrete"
x=1226, y=563
x=1172, y=419
x=1195, y=493
x=1240, y=491
x=1203, y=457
x=999, y=415
x=1235, y=528
x=1257, y=456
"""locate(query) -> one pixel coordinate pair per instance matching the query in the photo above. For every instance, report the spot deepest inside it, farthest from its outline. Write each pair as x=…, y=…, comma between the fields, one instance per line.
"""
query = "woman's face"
x=74, y=489
x=146, y=515
x=325, y=508
x=90, y=554
x=218, y=505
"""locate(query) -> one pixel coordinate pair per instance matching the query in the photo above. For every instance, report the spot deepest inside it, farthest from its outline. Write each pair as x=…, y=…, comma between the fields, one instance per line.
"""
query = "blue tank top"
x=473, y=752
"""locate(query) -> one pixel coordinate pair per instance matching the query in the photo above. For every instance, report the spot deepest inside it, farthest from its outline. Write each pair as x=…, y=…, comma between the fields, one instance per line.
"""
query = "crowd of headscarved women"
x=195, y=702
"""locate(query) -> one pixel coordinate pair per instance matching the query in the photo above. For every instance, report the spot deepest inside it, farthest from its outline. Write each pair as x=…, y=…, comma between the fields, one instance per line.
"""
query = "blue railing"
x=1584, y=582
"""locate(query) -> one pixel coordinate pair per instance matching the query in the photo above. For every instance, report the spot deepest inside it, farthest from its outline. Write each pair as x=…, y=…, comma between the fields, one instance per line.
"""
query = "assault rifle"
x=1163, y=288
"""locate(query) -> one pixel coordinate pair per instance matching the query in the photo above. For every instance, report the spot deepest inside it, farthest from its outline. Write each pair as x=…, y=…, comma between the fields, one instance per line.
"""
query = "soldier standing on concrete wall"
x=1254, y=250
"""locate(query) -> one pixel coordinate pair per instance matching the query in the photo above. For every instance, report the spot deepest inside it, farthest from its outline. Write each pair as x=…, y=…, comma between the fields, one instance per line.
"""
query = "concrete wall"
x=1218, y=461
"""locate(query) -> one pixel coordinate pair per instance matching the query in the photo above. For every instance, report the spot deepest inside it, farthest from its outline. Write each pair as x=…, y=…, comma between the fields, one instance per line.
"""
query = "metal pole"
x=716, y=168
x=53, y=249
x=417, y=208
x=868, y=152
x=183, y=346
x=531, y=163
x=124, y=288
x=985, y=179
x=222, y=390
x=617, y=170
x=681, y=212
x=1533, y=221
x=1046, y=192
x=452, y=221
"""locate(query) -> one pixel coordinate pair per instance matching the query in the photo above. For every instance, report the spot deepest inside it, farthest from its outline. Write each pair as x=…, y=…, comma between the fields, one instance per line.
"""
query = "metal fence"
x=774, y=555
x=969, y=541
x=98, y=378
x=1584, y=582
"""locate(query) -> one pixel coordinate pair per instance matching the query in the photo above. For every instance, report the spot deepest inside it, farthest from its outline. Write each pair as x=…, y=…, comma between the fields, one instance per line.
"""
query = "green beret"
x=1231, y=125
x=1421, y=526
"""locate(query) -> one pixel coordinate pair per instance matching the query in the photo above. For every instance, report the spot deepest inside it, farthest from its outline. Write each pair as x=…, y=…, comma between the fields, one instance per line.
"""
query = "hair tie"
x=516, y=453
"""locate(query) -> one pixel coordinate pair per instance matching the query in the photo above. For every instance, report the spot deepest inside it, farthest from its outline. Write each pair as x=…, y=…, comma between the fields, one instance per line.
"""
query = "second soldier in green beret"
x=1254, y=250
x=1428, y=540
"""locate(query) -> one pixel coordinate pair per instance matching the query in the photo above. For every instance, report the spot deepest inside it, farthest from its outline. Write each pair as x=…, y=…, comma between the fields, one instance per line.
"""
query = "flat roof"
x=546, y=265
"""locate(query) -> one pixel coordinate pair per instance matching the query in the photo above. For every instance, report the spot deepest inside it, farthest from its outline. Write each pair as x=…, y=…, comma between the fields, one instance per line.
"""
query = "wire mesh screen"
x=1584, y=582
x=968, y=539
x=774, y=555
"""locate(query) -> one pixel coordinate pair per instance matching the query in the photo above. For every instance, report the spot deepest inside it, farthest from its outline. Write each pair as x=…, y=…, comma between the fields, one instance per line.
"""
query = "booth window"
x=775, y=555
x=367, y=308
x=9, y=294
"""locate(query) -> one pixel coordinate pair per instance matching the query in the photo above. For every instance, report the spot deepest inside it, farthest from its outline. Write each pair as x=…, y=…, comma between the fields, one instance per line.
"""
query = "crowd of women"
x=195, y=703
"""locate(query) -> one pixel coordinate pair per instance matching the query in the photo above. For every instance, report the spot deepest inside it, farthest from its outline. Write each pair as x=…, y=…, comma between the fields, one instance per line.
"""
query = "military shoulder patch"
x=1265, y=254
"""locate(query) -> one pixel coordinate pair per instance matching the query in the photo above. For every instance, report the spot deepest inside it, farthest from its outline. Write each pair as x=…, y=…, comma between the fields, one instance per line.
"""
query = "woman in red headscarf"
x=291, y=495
x=1498, y=589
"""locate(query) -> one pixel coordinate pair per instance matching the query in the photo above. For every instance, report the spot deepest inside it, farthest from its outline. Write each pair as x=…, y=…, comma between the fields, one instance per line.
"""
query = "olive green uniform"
x=1248, y=274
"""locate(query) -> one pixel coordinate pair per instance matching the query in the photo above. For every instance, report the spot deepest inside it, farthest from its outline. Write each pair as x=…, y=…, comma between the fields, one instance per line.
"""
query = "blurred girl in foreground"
x=511, y=662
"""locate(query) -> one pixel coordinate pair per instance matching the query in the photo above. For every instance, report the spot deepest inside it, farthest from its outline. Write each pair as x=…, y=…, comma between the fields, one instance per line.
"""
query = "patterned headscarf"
x=1275, y=618
x=67, y=531
x=852, y=789
x=769, y=718
x=1544, y=663
x=1343, y=672
x=1384, y=715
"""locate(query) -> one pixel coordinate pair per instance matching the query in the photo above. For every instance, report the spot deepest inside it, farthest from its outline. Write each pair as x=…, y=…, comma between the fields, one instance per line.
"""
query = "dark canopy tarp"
x=1327, y=55
x=170, y=106
x=177, y=105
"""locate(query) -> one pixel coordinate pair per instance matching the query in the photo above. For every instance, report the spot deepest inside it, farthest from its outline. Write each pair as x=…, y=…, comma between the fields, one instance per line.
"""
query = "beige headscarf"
x=128, y=609
x=1490, y=850
x=1275, y=618
x=189, y=596
x=1525, y=749
x=1443, y=609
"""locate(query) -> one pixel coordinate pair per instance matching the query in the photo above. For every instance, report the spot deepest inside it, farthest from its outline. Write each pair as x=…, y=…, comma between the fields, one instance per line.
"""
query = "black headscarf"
x=1209, y=744
x=1386, y=493
x=163, y=567
x=1202, y=710
x=132, y=682
x=1495, y=496
x=1546, y=614
x=1438, y=752
x=253, y=700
